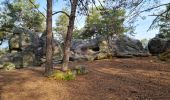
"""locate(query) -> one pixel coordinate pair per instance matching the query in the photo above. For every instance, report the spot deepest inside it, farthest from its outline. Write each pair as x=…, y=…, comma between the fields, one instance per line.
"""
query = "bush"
x=59, y=75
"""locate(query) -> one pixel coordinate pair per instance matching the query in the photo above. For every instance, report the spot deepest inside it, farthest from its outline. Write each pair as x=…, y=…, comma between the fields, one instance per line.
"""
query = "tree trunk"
x=49, y=51
x=69, y=35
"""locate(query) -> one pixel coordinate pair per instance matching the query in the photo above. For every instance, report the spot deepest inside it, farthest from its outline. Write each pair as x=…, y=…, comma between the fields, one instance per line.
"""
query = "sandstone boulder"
x=158, y=45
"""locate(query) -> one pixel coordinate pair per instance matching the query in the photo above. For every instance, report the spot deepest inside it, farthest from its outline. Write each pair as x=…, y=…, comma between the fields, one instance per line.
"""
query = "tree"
x=162, y=21
x=61, y=24
x=83, y=8
x=69, y=34
x=49, y=39
x=106, y=23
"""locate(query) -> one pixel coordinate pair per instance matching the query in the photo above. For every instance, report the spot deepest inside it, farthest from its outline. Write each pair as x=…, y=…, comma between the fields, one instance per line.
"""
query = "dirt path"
x=117, y=79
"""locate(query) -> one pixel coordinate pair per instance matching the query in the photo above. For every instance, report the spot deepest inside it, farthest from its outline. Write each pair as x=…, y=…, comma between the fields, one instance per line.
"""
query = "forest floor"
x=116, y=79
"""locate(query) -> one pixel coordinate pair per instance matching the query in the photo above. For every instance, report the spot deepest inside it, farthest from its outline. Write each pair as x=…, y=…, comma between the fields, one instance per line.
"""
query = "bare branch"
x=62, y=12
x=161, y=16
x=84, y=7
x=154, y=7
x=94, y=4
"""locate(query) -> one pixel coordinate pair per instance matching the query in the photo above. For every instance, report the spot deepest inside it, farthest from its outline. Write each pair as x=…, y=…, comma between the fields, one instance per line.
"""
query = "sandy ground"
x=116, y=79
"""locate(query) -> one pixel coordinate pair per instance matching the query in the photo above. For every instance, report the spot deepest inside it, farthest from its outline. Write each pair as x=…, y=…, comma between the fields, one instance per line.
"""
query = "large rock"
x=101, y=48
x=165, y=56
x=158, y=45
x=123, y=46
x=31, y=48
x=26, y=42
x=57, y=49
x=22, y=39
x=8, y=66
x=84, y=50
x=81, y=46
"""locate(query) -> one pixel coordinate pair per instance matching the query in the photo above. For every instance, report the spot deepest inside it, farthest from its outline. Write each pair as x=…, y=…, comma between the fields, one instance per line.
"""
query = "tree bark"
x=49, y=51
x=69, y=35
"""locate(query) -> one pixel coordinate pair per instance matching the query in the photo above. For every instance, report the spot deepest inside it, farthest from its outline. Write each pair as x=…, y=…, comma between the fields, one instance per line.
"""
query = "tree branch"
x=154, y=7
x=160, y=16
x=61, y=12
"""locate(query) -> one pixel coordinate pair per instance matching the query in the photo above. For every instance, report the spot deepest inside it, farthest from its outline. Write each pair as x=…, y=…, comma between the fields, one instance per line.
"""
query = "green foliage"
x=162, y=22
x=105, y=22
x=59, y=75
x=62, y=24
x=69, y=76
x=77, y=33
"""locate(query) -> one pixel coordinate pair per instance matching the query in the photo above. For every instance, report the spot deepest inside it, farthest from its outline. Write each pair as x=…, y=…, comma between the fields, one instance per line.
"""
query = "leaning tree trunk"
x=49, y=52
x=69, y=35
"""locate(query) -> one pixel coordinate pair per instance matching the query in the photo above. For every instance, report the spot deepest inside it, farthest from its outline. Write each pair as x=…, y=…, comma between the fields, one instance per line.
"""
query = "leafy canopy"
x=61, y=24
x=105, y=22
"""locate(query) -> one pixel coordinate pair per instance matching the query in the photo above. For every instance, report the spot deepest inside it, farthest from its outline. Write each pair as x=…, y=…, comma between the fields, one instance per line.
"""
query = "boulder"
x=81, y=46
x=84, y=50
x=8, y=66
x=80, y=70
x=102, y=55
x=31, y=48
x=57, y=49
x=22, y=39
x=102, y=48
x=124, y=46
x=165, y=56
x=157, y=45
x=17, y=60
x=28, y=59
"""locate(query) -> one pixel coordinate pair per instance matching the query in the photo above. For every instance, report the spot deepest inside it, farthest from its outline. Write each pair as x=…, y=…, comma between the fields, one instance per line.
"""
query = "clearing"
x=116, y=79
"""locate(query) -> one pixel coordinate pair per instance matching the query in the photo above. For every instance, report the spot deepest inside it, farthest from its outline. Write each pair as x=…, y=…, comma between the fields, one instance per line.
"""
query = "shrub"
x=59, y=75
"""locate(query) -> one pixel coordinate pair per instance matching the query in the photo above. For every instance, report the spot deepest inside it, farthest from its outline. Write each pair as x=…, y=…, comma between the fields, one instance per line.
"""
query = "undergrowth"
x=60, y=75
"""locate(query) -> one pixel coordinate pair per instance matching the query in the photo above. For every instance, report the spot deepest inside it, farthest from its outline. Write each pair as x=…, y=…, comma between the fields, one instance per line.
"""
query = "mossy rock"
x=102, y=55
x=165, y=56
x=1, y=66
x=17, y=60
x=80, y=70
x=103, y=46
x=90, y=57
x=8, y=66
x=28, y=59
